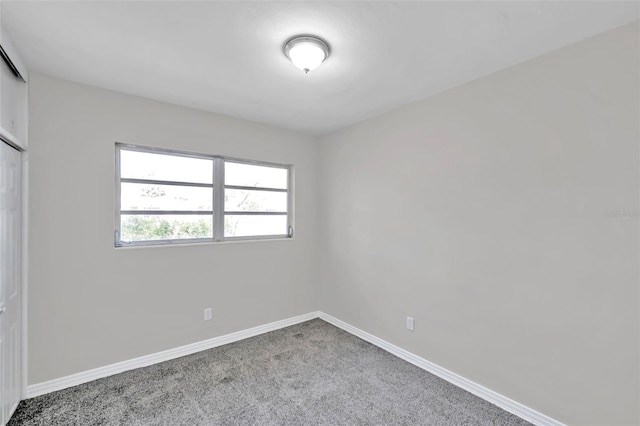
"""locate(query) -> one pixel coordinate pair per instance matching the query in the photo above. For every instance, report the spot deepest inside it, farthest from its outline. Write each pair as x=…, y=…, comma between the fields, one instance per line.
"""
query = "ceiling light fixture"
x=306, y=52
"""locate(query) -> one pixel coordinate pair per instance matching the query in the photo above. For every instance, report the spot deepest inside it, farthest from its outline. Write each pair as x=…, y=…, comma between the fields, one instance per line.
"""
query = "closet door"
x=10, y=282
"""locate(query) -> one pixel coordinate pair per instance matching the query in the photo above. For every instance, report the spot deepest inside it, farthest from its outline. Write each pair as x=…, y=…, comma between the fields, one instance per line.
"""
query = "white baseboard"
x=495, y=398
x=143, y=361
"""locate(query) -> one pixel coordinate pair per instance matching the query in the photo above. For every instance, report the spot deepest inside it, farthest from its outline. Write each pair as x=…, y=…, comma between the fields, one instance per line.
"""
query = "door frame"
x=25, y=269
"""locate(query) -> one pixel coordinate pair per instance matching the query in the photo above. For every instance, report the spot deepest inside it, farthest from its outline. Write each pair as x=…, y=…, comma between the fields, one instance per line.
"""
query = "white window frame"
x=218, y=187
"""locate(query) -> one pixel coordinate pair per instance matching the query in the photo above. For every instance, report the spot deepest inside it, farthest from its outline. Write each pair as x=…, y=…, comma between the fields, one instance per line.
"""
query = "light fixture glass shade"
x=306, y=52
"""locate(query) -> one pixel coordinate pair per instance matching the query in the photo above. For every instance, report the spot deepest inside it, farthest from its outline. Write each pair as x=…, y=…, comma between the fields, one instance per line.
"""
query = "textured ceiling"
x=226, y=57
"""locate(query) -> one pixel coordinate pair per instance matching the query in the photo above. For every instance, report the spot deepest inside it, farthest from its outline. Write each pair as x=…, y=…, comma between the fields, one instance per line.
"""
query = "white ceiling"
x=226, y=57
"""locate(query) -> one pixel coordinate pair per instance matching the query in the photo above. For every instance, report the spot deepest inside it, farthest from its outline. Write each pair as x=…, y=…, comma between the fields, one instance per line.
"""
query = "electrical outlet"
x=208, y=313
x=410, y=324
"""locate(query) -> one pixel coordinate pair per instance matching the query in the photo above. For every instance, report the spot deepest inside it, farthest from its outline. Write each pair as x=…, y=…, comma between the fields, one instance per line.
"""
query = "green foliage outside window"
x=141, y=228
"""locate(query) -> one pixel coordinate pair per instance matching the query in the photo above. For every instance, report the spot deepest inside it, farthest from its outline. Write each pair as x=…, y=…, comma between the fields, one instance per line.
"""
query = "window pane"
x=243, y=226
x=145, y=165
x=249, y=175
x=165, y=227
x=139, y=196
x=238, y=200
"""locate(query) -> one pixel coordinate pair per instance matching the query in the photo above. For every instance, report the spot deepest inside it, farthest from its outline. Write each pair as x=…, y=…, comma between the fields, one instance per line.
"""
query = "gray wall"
x=91, y=305
x=481, y=212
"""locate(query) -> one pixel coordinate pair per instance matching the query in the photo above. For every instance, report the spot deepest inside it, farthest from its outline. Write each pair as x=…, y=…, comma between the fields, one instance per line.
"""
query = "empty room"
x=319, y=213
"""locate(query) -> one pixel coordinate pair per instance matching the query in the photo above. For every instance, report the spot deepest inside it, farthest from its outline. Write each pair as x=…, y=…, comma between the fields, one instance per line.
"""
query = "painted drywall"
x=13, y=95
x=91, y=304
x=503, y=216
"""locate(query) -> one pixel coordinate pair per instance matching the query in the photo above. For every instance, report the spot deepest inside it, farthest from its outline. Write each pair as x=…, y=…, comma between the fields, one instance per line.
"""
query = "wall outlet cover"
x=410, y=324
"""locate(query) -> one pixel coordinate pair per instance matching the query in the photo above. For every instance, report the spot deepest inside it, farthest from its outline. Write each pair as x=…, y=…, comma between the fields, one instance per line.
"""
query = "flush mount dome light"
x=306, y=52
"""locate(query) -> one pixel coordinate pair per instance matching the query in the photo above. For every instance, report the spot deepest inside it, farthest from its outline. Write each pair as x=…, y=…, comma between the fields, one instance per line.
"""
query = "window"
x=165, y=197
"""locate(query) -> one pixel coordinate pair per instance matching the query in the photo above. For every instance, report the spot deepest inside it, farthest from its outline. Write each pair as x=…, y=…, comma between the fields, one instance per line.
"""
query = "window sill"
x=204, y=243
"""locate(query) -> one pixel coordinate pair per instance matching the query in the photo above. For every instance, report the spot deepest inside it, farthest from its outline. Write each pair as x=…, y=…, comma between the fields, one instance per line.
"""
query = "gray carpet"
x=308, y=374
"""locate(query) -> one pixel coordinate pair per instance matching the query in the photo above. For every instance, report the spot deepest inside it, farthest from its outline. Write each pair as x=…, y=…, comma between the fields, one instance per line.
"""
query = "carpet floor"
x=307, y=374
